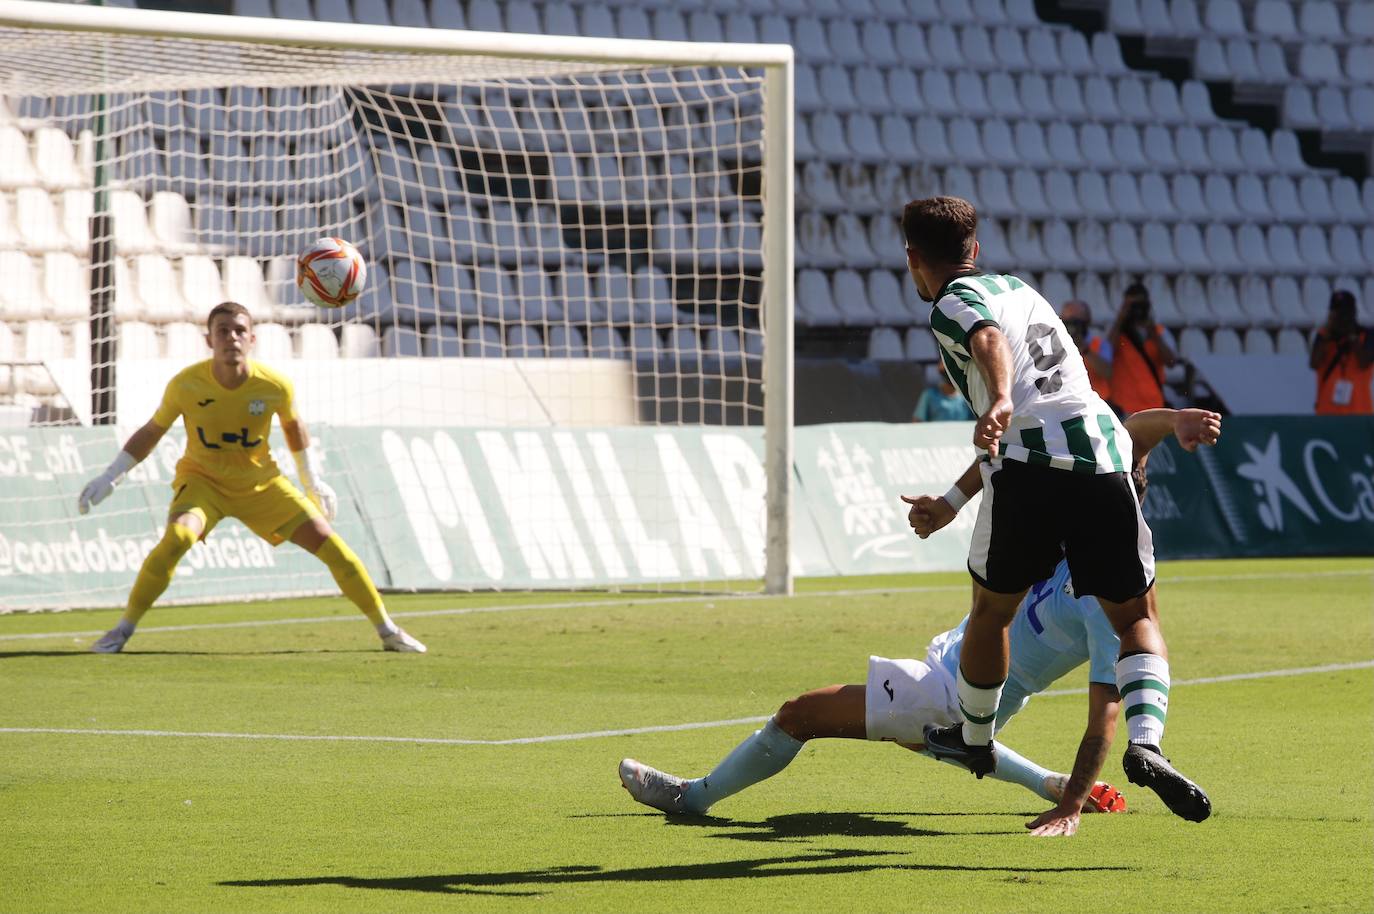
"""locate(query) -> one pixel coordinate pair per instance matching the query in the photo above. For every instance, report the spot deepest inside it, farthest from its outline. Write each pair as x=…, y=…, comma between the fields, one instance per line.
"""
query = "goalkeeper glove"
x=309, y=470
x=99, y=489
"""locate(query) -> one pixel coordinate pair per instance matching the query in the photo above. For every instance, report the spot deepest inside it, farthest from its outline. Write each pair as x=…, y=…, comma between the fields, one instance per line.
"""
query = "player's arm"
x=308, y=467
x=930, y=514
x=1104, y=704
x=135, y=451
x=1191, y=426
x=990, y=351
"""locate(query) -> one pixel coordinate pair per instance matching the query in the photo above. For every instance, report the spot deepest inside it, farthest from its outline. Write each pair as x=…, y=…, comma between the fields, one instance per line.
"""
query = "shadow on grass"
x=824, y=862
x=798, y=826
x=79, y=652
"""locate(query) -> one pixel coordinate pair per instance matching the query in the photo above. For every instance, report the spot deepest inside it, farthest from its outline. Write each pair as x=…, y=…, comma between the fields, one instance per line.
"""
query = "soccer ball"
x=331, y=273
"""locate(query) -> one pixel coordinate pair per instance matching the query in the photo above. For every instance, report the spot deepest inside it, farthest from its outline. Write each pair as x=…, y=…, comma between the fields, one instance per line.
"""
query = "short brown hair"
x=940, y=229
x=231, y=308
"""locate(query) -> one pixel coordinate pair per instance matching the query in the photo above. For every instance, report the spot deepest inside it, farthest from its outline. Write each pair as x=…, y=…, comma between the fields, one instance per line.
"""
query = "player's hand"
x=1059, y=822
x=1196, y=426
x=322, y=494
x=991, y=426
x=96, y=491
x=928, y=514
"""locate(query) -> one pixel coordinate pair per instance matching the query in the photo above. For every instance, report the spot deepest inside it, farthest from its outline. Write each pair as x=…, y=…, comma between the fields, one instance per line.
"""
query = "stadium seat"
x=607, y=343
x=400, y=342
x=1093, y=196
x=887, y=297
x=1283, y=199
x=1347, y=252
x=1288, y=301
x=1124, y=245
x=1253, y=247
x=815, y=302
x=1283, y=248
x=1089, y=239
x=16, y=163
x=358, y=341
x=1032, y=98
x=566, y=342
x=1255, y=302
x=1106, y=51
x=1220, y=249
x=1258, y=342
x=1043, y=51
x=523, y=341
x=1028, y=250
x=1223, y=304
x=158, y=288
x=816, y=187
x=411, y=14
x=37, y=222
x=1057, y=289
x=1060, y=187
x=243, y=283
x=851, y=298
x=1164, y=102
x=1125, y=197
x=1158, y=246
x=274, y=342
x=938, y=92
x=317, y=341
x=1299, y=109
x=1062, y=140
x=1314, y=251
x=1320, y=19
x=1345, y=197
x=55, y=160
x=1192, y=344
x=42, y=341
x=22, y=297
x=885, y=345
x=66, y=285
x=1332, y=112
x=1088, y=287
x=1220, y=198
x=1291, y=342
x=920, y=345
x=1066, y=94
x=1226, y=341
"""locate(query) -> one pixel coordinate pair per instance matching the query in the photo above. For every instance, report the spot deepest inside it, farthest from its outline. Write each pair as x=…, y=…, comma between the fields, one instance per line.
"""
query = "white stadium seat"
x=67, y=283
x=1258, y=342
x=137, y=340
x=55, y=161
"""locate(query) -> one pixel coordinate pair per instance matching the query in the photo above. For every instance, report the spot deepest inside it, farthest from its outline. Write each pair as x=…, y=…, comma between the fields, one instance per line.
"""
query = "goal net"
x=571, y=363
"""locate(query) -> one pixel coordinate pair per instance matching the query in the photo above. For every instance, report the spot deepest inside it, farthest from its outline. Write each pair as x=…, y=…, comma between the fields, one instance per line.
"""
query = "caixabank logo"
x=1321, y=482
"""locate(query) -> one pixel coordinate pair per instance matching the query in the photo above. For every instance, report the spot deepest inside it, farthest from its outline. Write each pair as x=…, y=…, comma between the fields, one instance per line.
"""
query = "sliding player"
x=1053, y=633
x=227, y=471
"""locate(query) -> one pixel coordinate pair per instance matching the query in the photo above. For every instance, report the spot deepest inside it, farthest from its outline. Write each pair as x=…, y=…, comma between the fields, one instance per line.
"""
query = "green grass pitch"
x=114, y=823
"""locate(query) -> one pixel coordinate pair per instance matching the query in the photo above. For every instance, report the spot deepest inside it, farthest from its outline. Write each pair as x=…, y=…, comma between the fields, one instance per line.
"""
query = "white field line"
x=595, y=734
x=655, y=600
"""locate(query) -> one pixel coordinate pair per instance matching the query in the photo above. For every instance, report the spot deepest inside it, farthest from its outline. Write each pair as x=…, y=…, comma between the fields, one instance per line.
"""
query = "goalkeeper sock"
x=762, y=755
x=1143, y=680
x=1015, y=768
x=354, y=581
x=157, y=571
x=979, y=707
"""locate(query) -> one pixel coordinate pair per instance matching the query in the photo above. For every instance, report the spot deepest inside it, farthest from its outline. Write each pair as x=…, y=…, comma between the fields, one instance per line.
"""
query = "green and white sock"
x=1143, y=681
x=979, y=707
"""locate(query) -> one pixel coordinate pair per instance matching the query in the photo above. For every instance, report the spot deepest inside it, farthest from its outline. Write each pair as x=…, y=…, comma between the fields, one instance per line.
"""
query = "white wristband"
x=956, y=498
x=123, y=463
x=308, y=466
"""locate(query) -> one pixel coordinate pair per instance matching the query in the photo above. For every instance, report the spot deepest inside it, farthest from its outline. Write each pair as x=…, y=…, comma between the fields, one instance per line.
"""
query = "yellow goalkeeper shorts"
x=273, y=510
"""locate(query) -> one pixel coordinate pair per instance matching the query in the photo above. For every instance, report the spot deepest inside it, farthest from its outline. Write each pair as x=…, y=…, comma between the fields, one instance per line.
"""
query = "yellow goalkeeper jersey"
x=227, y=430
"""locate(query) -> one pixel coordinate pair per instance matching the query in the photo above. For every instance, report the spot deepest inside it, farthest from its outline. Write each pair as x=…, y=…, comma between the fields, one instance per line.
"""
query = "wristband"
x=956, y=498
x=122, y=464
x=308, y=467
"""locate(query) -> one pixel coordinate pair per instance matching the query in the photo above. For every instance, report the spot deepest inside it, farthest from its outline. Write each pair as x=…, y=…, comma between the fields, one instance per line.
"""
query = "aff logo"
x=1273, y=485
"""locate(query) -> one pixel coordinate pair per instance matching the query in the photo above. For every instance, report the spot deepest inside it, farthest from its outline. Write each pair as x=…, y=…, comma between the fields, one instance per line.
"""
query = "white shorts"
x=904, y=696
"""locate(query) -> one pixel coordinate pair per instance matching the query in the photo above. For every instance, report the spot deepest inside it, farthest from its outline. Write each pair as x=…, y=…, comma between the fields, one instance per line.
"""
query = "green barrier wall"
x=472, y=508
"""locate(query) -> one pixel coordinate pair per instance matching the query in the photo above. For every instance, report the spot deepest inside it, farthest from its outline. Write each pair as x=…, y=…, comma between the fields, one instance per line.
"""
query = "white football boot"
x=112, y=642
x=652, y=787
x=403, y=643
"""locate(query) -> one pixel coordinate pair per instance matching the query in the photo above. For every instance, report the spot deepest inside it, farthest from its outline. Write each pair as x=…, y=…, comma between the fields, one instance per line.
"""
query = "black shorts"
x=1031, y=516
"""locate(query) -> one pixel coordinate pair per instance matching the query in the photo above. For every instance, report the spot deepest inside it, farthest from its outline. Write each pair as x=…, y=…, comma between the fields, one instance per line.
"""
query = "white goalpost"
x=572, y=363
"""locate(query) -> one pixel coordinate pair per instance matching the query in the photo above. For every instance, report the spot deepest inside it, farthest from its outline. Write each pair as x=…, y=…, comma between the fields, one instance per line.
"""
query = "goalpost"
x=579, y=303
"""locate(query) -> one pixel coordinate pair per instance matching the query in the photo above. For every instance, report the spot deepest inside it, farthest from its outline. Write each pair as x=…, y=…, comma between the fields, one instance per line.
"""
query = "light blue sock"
x=1017, y=769
x=762, y=755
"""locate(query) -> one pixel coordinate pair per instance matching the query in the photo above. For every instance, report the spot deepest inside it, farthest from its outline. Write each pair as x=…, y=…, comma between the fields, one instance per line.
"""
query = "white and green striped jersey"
x=1057, y=418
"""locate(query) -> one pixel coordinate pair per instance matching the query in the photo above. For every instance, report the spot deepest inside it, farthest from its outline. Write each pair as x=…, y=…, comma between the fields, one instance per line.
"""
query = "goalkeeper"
x=1054, y=632
x=227, y=403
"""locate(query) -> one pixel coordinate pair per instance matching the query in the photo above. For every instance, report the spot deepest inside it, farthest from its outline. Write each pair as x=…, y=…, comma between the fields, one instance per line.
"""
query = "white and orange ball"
x=331, y=273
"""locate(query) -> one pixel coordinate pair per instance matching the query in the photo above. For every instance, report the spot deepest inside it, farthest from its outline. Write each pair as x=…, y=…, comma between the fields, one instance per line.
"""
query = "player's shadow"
x=823, y=862
x=804, y=825
x=801, y=826
x=10, y=655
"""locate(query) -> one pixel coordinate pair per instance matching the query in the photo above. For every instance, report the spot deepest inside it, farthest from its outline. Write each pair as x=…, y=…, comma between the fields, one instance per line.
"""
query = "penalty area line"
x=598, y=734
x=648, y=599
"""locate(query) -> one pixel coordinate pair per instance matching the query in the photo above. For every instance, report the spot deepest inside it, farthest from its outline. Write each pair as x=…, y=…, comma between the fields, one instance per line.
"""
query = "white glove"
x=99, y=489
x=309, y=470
x=322, y=494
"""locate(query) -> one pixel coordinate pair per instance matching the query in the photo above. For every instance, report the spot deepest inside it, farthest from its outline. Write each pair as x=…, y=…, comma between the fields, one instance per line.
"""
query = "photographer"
x=1343, y=358
x=1139, y=354
x=1096, y=351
